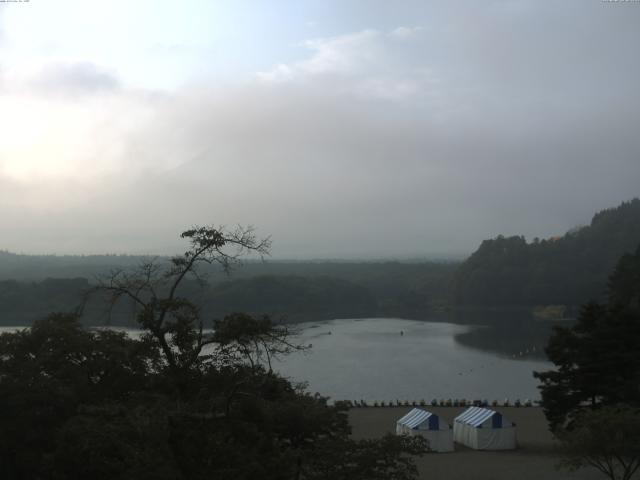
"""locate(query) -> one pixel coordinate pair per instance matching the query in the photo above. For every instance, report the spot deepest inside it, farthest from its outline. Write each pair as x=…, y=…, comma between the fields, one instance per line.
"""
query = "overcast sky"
x=342, y=128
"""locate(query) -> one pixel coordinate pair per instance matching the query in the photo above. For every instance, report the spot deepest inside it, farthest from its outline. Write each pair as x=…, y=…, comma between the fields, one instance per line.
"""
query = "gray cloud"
x=73, y=79
x=517, y=118
x=369, y=63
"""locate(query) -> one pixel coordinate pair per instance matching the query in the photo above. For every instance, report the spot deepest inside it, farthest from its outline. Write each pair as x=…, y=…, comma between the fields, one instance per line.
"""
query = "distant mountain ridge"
x=568, y=270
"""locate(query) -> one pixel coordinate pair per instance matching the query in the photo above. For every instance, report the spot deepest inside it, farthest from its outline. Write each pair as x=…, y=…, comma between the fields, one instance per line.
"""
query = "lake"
x=370, y=359
x=354, y=359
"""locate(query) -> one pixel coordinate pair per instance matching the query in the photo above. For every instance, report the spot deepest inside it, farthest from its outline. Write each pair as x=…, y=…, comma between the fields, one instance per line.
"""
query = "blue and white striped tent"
x=428, y=425
x=484, y=429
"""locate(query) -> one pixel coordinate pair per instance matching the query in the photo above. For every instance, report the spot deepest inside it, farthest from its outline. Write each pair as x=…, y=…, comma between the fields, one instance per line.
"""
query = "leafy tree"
x=47, y=373
x=624, y=284
x=607, y=439
x=180, y=403
x=597, y=360
x=170, y=319
x=241, y=336
x=384, y=459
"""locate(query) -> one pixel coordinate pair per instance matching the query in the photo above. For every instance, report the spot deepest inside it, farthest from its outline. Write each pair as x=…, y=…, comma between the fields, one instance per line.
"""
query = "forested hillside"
x=39, y=267
x=292, y=298
x=505, y=271
x=291, y=291
x=567, y=270
x=23, y=302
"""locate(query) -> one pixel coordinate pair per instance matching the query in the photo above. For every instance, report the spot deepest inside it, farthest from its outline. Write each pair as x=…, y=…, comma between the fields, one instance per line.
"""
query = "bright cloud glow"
x=373, y=129
x=369, y=63
x=54, y=138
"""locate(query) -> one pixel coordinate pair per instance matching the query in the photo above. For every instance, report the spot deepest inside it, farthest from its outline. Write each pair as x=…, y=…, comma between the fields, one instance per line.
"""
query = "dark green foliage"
x=607, y=439
x=240, y=336
x=21, y=302
x=568, y=270
x=38, y=267
x=511, y=333
x=292, y=298
x=78, y=404
x=624, y=283
x=48, y=372
x=384, y=459
x=598, y=359
x=292, y=292
x=114, y=441
x=180, y=403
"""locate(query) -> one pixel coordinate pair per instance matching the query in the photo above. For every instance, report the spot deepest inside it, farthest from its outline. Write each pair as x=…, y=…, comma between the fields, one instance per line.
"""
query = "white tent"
x=428, y=425
x=484, y=429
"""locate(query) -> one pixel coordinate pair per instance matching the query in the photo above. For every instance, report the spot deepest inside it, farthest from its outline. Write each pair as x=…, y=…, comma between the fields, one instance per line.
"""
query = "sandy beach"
x=534, y=459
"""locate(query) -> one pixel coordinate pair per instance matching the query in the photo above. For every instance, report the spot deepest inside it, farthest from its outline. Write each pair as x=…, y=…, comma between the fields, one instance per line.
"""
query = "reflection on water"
x=370, y=359
x=472, y=356
x=515, y=334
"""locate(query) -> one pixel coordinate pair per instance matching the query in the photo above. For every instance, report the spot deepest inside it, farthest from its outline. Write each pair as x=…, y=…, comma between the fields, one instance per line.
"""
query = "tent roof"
x=475, y=416
x=415, y=417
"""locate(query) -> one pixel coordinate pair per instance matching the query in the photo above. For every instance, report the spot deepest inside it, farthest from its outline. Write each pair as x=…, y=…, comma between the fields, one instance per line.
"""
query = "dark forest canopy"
x=288, y=291
x=292, y=296
x=597, y=360
x=505, y=271
x=568, y=270
x=180, y=402
x=22, y=267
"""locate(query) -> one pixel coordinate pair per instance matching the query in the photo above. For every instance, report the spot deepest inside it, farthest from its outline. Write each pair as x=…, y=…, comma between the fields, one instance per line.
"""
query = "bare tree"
x=154, y=289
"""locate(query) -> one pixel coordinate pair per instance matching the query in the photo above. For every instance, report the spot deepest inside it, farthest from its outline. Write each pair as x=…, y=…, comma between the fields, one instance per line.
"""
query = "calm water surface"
x=370, y=359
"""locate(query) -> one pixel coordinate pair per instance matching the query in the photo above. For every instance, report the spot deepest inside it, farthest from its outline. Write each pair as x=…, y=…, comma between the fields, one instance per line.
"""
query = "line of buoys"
x=438, y=403
x=521, y=354
x=525, y=352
